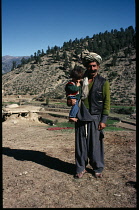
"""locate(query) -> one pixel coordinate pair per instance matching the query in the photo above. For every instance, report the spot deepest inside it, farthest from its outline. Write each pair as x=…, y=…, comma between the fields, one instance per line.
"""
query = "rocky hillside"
x=122, y=78
x=49, y=77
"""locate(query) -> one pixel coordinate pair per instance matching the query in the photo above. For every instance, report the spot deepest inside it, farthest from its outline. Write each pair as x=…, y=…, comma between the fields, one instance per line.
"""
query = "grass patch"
x=65, y=124
x=110, y=125
x=9, y=102
x=108, y=128
x=111, y=128
x=120, y=106
x=70, y=124
x=58, y=103
x=112, y=122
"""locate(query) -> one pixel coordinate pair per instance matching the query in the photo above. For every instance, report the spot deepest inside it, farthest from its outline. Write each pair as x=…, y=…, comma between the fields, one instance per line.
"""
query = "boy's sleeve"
x=72, y=88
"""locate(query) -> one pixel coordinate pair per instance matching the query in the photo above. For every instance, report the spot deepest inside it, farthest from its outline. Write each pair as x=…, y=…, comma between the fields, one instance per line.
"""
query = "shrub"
x=47, y=101
x=32, y=67
x=123, y=110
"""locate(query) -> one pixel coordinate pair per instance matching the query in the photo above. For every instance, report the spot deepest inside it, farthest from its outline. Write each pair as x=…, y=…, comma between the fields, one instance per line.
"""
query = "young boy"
x=73, y=90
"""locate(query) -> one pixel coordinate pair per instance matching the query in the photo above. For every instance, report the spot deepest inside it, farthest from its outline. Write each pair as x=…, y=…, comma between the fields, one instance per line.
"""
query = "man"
x=92, y=117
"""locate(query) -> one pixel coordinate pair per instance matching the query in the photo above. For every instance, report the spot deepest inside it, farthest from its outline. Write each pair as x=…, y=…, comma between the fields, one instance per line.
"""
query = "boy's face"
x=76, y=80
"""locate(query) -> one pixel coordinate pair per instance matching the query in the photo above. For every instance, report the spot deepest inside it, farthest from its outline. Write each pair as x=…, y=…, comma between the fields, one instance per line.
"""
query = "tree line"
x=104, y=44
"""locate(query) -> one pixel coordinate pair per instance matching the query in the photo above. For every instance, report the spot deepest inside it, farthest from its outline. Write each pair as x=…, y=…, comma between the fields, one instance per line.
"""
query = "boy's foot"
x=73, y=119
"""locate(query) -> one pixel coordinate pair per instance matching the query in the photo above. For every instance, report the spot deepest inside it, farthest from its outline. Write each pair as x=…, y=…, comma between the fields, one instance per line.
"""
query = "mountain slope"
x=49, y=77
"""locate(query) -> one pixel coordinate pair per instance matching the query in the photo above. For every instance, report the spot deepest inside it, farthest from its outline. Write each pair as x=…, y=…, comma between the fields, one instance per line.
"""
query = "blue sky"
x=32, y=25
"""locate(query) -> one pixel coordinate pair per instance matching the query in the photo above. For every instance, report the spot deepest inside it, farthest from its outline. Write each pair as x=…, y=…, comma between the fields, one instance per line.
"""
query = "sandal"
x=98, y=175
x=80, y=175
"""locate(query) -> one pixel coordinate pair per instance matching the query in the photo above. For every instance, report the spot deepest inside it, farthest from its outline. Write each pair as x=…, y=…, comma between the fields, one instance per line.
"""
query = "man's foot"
x=80, y=175
x=73, y=119
x=98, y=175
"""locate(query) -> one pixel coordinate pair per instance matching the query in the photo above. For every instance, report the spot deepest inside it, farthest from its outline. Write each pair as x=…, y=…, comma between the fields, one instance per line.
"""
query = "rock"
x=133, y=116
x=33, y=116
x=12, y=106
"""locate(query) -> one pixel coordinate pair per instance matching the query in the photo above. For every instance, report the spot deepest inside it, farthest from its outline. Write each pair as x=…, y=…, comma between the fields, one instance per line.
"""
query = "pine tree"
x=38, y=53
x=114, y=60
x=35, y=55
x=66, y=63
x=57, y=56
x=38, y=59
x=32, y=57
x=13, y=66
x=64, y=56
x=32, y=67
x=23, y=61
x=65, y=46
x=42, y=54
x=56, y=48
x=48, y=50
x=90, y=45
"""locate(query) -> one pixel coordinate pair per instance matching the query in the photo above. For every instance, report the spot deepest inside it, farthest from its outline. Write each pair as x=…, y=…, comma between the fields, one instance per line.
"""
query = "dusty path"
x=38, y=168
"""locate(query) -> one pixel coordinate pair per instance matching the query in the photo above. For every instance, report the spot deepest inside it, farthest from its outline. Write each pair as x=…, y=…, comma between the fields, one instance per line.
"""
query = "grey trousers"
x=89, y=145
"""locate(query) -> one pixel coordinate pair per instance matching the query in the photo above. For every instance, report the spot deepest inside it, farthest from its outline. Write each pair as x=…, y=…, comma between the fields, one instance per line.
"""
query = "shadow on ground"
x=40, y=158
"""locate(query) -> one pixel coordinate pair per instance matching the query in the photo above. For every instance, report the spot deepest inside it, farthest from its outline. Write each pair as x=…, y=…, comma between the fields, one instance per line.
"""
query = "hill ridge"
x=48, y=78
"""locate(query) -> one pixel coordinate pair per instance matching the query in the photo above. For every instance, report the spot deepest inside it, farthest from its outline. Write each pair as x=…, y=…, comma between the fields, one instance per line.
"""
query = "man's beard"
x=92, y=73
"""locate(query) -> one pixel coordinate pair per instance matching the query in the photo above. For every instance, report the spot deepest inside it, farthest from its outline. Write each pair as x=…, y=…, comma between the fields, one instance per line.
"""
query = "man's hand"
x=101, y=126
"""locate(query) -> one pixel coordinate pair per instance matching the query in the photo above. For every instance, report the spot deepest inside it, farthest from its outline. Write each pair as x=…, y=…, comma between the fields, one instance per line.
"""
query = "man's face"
x=93, y=69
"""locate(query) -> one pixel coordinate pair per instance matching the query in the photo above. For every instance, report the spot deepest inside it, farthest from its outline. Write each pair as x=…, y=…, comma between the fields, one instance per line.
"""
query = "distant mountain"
x=7, y=62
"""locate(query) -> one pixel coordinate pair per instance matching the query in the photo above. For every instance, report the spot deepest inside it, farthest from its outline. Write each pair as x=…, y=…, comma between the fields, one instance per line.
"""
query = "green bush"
x=129, y=110
x=32, y=67
x=47, y=101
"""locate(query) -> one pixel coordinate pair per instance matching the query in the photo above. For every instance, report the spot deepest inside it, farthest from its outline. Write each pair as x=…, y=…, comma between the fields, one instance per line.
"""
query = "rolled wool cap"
x=87, y=57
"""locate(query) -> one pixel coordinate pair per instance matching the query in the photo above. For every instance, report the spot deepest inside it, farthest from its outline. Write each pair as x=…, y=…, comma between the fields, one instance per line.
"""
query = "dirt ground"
x=39, y=164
